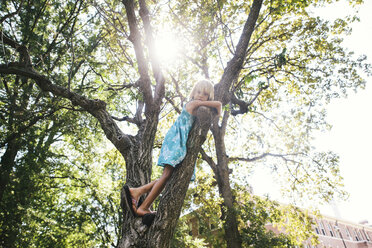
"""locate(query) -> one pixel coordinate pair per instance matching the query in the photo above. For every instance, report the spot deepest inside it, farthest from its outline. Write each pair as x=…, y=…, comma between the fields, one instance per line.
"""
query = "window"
x=356, y=236
x=330, y=230
x=322, y=228
x=317, y=228
x=367, y=237
x=360, y=235
x=337, y=230
x=348, y=233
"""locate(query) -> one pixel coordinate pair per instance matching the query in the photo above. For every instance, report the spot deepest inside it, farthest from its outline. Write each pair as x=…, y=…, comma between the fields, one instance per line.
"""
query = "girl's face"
x=201, y=95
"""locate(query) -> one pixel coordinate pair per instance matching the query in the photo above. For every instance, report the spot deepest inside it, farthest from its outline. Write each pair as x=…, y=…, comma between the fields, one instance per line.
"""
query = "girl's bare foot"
x=142, y=211
x=135, y=196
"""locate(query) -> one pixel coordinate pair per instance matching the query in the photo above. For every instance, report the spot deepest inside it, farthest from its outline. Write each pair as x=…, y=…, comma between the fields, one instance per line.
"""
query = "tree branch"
x=96, y=107
x=135, y=38
x=223, y=127
x=269, y=119
x=22, y=129
x=24, y=55
x=11, y=14
x=158, y=75
x=137, y=118
x=283, y=156
x=234, y=66
x=209, y=160
x=175, y=106
x=177, y=86
x=225, y=27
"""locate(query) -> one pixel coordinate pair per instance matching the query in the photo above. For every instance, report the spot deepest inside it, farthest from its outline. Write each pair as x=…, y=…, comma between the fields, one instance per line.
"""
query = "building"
x=331, y=233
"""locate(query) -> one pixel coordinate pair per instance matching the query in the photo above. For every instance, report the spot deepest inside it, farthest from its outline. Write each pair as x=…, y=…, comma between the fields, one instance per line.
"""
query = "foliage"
x=183, y=237
x=256, y=213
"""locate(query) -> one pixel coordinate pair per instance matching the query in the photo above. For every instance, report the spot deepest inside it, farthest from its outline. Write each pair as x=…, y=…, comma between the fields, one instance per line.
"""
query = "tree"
x=36, y=174
x=283, y=56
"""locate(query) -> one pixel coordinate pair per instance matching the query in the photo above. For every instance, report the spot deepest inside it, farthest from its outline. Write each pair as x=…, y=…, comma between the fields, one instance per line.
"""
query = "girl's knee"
x=168, y=171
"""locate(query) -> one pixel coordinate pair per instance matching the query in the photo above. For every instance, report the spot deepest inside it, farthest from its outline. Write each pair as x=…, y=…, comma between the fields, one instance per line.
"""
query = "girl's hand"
x=219, y=108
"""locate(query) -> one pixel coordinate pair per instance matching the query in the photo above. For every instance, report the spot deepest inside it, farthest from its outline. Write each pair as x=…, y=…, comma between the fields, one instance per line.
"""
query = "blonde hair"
x=204, y=86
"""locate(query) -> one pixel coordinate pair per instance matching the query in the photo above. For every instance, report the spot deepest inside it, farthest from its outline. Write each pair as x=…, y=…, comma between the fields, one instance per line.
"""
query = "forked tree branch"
x=208, y=159
x=243, y=105
x=235, y=65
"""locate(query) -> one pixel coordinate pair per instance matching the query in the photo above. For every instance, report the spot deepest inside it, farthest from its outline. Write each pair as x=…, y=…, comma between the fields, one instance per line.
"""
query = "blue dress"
x=174, y=149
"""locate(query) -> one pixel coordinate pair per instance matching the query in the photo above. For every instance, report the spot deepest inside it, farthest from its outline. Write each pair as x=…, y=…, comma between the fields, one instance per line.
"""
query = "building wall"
x=333, y=232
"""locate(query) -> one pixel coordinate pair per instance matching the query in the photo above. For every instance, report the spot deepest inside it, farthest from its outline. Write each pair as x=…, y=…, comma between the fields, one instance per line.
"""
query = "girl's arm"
x=192, y=106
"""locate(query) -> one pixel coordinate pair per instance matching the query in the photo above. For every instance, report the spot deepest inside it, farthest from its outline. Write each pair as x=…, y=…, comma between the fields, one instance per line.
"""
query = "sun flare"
x=167, y=46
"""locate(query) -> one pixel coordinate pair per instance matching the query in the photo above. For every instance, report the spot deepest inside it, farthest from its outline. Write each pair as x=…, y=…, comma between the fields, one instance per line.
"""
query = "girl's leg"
x=137, y=192
x=155, y=191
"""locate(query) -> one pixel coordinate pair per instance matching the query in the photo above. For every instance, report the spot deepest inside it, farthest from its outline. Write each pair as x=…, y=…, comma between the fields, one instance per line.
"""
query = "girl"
x=173, y=150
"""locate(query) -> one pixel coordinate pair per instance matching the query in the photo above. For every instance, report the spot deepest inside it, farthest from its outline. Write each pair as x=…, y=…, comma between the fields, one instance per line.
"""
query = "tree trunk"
x=159, y=234
x=221, y=171
x=7, y=164
x=7, y=235
x=223, y=93
x=232, y=234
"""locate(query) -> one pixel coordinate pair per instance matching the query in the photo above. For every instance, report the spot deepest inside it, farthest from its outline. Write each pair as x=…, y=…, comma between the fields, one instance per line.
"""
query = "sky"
x=351, y=135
